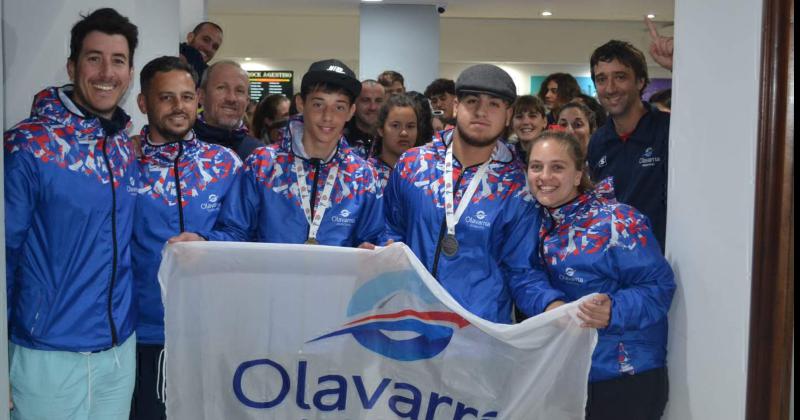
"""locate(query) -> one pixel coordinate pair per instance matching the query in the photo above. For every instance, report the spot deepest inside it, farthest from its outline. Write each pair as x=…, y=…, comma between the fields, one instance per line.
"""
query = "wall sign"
x=265, y=83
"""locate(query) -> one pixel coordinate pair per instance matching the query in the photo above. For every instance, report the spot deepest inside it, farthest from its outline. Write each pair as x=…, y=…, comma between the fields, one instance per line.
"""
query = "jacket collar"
x=218, y=135
x=293, y=142
x=501, y=155
x=166, y=153
x=649, y=111
x=603, y=192
x=55, y=104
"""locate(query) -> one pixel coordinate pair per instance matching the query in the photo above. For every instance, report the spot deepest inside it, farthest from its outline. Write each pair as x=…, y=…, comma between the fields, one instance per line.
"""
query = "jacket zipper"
x=443, y=227
x=176, y=172
x=114, y=244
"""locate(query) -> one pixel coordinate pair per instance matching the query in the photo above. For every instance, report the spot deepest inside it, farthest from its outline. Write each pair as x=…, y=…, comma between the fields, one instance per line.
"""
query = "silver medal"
x=450, y=245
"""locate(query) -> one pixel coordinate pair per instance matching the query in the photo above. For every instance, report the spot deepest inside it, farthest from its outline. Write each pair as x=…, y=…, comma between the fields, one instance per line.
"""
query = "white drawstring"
x=161, y=377
x=89, y=376
x=116, y=358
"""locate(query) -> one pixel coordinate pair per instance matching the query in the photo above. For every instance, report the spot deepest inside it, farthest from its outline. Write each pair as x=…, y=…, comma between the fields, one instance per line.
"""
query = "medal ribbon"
x=305, y=195
x=452, y=218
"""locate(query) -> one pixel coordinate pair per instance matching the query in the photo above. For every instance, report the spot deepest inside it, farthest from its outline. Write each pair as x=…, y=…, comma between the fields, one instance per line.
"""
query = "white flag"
x=290, y=332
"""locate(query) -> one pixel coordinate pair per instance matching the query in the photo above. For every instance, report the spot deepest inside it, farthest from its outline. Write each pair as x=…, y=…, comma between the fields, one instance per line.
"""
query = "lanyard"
x=452, y=217
x=305, y=195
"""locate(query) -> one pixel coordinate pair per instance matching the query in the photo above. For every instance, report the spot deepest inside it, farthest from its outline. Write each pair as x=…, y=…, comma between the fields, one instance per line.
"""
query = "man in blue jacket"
x=633, y=146
x=461, y=203
x=70, y=191
x=311, y=188
x=183, y=183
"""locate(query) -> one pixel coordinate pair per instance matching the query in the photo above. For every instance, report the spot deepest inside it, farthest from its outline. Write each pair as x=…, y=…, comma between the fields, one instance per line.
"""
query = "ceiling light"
x=247, y=59
x=371, y=1
x=651, y=16
x=547, y=13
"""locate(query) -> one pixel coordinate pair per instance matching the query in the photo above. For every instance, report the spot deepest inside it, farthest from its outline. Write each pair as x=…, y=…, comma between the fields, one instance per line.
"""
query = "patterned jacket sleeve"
x=237, y=219
x=394, y=208
x=525, y=274
x=21, y=181
x=648, y=283
x=372, y=221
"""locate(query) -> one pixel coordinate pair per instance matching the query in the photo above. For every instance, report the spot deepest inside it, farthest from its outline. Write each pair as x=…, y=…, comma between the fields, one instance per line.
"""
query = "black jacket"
x=237, y=139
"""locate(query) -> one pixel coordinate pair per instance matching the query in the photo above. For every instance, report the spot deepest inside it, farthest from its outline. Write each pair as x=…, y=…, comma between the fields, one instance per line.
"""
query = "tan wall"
x=523, y=47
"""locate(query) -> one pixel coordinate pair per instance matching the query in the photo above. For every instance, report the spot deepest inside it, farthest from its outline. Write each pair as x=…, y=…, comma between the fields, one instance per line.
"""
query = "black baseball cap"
x=332, y=72
x=489, y=79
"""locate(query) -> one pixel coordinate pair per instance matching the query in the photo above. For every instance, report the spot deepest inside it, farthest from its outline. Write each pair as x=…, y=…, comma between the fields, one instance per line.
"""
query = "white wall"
x=387, y=43
x=711, y=204
x=288, y=42
x=522, y=47
x=192, y=13
x=29, y=69
x=3, y=318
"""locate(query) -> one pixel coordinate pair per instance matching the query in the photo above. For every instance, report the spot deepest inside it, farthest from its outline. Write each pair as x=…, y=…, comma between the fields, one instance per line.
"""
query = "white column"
x=711, y=204
x=192, y=12
x=399, y=37
x=36, y=46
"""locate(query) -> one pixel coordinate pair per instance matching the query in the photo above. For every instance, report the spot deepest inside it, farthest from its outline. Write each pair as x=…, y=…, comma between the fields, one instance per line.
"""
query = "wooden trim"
x=772, y=301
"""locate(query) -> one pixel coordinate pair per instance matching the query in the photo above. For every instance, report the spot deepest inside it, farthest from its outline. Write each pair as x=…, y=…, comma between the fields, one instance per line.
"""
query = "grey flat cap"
x=489, y=79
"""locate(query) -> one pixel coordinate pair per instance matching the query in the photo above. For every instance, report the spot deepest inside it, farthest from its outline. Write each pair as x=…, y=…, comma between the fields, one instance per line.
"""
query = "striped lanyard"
x=305, y=195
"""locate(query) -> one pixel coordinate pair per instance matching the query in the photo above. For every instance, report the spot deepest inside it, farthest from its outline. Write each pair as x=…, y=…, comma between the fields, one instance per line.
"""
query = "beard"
x=484, y=141
x=169, y=133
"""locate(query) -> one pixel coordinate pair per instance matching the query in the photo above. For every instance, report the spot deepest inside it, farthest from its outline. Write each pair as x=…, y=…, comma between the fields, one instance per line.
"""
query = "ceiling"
x=498, y=9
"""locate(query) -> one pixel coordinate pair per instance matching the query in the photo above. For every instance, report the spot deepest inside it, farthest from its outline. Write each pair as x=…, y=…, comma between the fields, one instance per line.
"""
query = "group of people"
x=530, y=225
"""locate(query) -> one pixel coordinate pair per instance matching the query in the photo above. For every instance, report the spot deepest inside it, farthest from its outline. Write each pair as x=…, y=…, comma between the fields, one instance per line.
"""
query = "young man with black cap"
x=311, y=188
x=462, y=205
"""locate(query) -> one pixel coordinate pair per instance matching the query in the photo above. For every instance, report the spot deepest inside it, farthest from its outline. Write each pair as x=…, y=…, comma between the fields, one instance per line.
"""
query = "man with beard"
x=461, y=203
x=632, y=147
x=224, y=94
x=70, y=192
x=360, y=130
x=183, y=183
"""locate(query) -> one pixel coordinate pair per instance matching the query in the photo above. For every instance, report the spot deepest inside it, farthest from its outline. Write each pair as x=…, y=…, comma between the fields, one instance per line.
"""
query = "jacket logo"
x=212, y=204
x=602, y=162
x=478, y=221
x=131, y=187
x=343, y=218
x=648, y=159
x=569, y=276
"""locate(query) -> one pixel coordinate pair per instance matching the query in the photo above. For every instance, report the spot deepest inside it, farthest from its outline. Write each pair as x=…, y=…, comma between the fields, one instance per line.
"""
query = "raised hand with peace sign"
x=661, y=47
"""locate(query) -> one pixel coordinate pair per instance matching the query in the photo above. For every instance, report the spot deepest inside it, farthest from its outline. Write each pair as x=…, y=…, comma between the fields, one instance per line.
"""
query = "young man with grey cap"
x=311, y=188
x=462, y=205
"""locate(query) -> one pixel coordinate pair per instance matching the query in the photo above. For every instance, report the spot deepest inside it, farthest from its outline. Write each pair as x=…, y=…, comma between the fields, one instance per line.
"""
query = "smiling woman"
x=590, y=243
